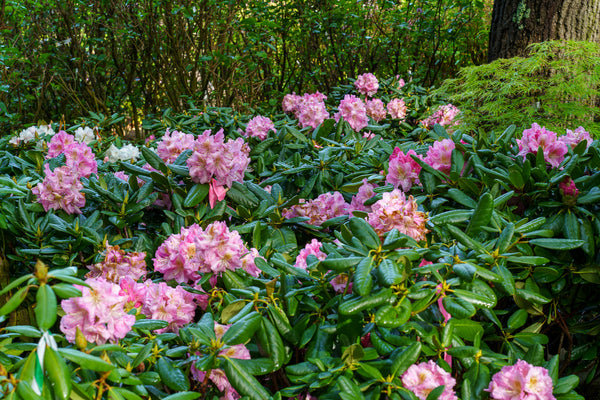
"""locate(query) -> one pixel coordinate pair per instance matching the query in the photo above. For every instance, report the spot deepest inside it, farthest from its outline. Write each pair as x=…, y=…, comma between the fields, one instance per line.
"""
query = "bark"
x=518, y=23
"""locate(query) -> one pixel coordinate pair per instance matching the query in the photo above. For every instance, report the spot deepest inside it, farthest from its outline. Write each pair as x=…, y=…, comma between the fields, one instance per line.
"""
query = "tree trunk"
x=518, y=23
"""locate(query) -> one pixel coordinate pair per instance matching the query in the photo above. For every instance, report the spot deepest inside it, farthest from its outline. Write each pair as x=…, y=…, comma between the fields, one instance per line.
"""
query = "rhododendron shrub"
x=353, y=110
x=521, y=381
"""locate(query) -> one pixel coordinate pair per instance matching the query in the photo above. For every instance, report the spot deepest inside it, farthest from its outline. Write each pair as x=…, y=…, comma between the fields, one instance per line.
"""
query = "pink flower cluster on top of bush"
x=194, y=251
x=312, y=248
x=422, y=378
x=521, y=381
x=215, y=158
x=309, y=109
x=117, y=263
x=259, y=127
x=353, y=110
x=366, y=84
x=365, y=192
x=403, y=170
x=439, y=155
x=319, y=210
x=60, y=190
x=172, y=144
x=376, y=109
x=538, y=137
x=394, y=210
x=445, y=115
x=397, y=109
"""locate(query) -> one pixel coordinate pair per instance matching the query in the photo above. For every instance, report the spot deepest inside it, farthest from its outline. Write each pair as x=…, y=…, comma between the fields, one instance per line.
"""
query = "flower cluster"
x=439, y=155
x=326, y=206
x=30, y=134
x=126, y=153
x=86, y=135
x=394, y=210
x=99, y=313
x=312, y=248
x=118, y=264
x=572, y=138
x=365, y=192
x=376, y=109
x=172, y=304
x=78, y=156
x=422, y=378
x=173, y=144
x=397, y=109
x=193, y=251
x=60, y=190
x=217, y=376
x=366, y=84
x=353, y=110
x=403, y=170
x=309, y=109
x=521, y=381
x=215, y=158
x=443, y=116
x=538, y=137
x=259, y=127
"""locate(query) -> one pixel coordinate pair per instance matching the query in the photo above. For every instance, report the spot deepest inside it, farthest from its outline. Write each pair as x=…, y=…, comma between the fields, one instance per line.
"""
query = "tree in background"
x=518, y=23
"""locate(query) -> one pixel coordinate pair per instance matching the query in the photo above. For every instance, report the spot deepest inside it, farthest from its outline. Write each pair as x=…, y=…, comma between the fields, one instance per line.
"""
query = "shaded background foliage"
x=63, y=59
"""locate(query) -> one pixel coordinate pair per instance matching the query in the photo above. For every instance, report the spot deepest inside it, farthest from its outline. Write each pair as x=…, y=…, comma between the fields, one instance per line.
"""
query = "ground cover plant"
x=355, y=245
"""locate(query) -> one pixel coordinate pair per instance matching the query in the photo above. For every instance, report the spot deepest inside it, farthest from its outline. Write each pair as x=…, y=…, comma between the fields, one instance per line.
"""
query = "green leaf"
x=465, y=240
x=363, y=280
x=46, y=307
x=566, y=384
x=142, y=354
x=349, y=388
x=392, y=317
x=528, y=260
x=507, y=281
x=475, y=298
x=364, y=232
x=340, y=264
x=390, y=273
x=280, y=262
x=274, y=343
x=532, y=296
x=86, y=361
x=557, y=244
x=58, y=373
x=458, y=308
x=436, y=393
x=517, y=319
x=26, y=392
x=482, y=214
x=150, y=324
x=405, y=359
x=154, y=160
x=15, y=283
x=171, y=376
x=242, y=330
x=14, y=301
x=25, y=330
x=359, y=304
x=451, y=217
x=243, y=382
x=196, y=194
x=183, y=396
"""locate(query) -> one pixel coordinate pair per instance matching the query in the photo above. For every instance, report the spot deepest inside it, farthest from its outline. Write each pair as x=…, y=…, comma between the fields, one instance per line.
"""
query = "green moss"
x=557, y=85
x=521, y=14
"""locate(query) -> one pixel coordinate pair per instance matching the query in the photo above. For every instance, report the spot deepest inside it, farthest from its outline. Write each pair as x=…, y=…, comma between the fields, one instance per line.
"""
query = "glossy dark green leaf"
x=172, y=376
x=150, y=324
x=154, y=160
x=14, y=301
x=482, y=214
x=557, y=244
x=363, y=280
x=58, y=373
x=183, y=396
x=340, y=264
x=243, y=382
x=405, y=359
x=46, y=307
x=354, y=306
x=458, y=308
x=196, y=194
x=451, y=217
x=85, y=360
x=364, y=232
x=242, y=330
x=517, y=319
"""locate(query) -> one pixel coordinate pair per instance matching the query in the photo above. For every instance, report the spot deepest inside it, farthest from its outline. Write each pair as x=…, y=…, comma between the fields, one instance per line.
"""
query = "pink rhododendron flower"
x=80, y=159
x=567, y=187
x=365, y=192
x=439, y=155
x=215, y=193
x=376, y=109
x=290, y=102
x=366, y=84
x=397, y=109
x=118, y=264
x=59, y=143
x=173, y=144
x=319, y=210
x=174, y=305
x=394, y=210
x=536, y=137
x=422, y=378
x=310, y=109
x=99, y=313
x=443, y=116
x=259, y=127
x=312, y=248
x=401, y=83
x=572, y=138
x=403, y=171
x=195, y=251
x=60, y=189
x=353, y=110
x=248, y=263
x=215, y=158
x=521, y=381
x=340, y=282
x=135, y=292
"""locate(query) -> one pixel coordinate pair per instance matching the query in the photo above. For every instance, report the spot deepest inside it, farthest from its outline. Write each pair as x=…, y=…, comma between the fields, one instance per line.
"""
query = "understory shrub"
x=403, y=259
x=557, y=85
